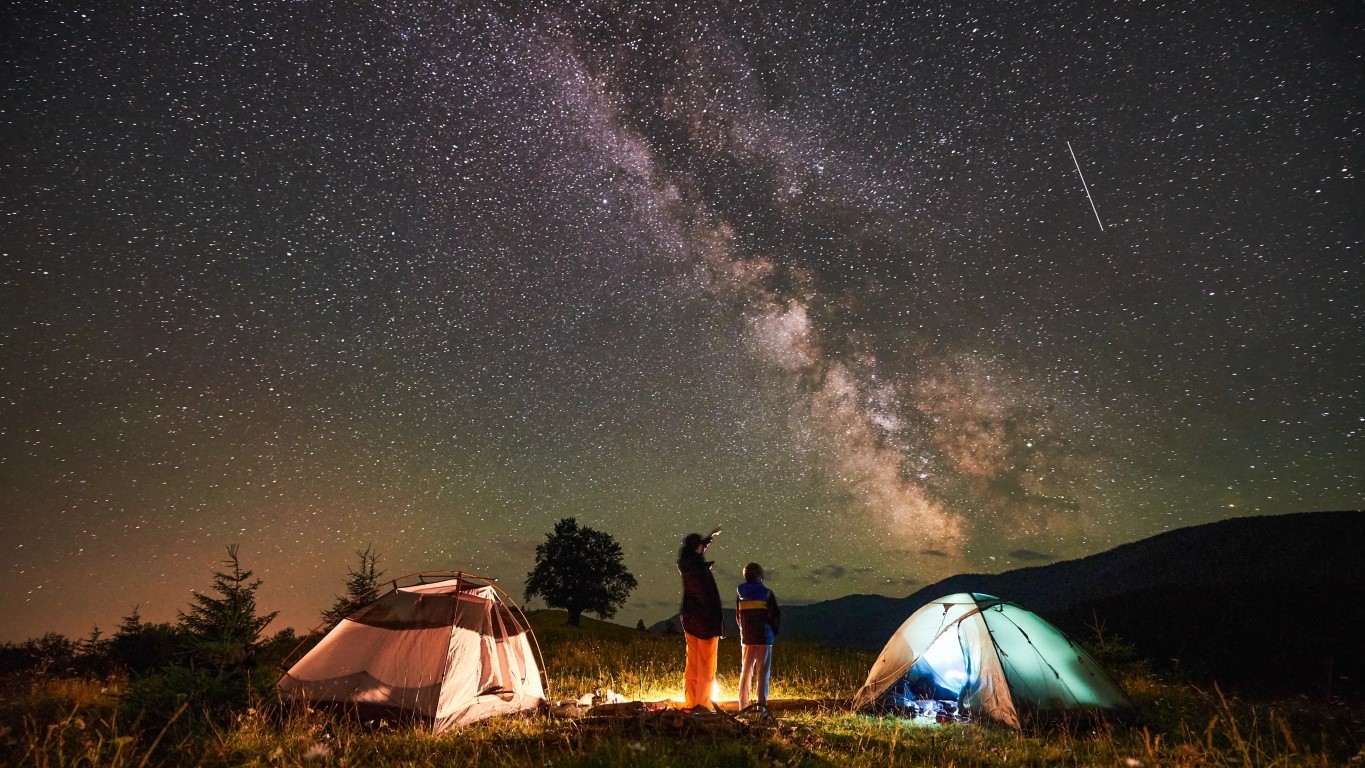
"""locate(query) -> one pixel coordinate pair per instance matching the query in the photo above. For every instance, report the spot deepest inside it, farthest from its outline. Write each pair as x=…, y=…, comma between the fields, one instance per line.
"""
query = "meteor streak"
x=1085, y=186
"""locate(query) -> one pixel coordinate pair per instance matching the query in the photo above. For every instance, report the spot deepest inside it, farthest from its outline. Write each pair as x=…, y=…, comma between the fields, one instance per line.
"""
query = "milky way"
x=307, y=277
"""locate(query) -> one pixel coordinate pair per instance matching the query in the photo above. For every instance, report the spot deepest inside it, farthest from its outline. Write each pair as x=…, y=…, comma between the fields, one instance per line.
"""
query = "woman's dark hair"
x=689, y=545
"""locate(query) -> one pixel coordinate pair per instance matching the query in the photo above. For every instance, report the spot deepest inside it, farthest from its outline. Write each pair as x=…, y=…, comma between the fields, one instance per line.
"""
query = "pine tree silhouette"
x=223, y=627
x=361, y=588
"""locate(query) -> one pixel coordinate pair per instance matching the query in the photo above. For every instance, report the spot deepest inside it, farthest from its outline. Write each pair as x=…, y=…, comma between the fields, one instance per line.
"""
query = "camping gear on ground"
x=985, y=657
x=446, y=648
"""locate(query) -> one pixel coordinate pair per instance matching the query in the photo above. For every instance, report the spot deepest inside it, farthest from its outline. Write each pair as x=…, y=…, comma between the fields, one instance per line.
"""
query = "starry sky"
x=311, y=276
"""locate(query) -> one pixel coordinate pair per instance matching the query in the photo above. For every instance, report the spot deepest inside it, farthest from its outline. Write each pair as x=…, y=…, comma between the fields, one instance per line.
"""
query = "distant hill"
x=1264, y=602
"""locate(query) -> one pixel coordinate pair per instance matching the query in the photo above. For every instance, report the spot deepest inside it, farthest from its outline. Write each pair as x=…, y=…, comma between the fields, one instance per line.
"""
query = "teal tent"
x=991, y=659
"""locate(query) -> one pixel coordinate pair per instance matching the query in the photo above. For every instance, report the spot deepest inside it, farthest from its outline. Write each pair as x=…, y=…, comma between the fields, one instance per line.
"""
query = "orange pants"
x=701, y=671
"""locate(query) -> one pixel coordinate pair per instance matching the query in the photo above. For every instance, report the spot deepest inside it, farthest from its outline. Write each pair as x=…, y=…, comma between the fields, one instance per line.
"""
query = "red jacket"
x=700, y=613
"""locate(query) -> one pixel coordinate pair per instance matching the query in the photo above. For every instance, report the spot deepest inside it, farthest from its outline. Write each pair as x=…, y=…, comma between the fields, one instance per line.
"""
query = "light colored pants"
x=756, y=667
x=701, y=671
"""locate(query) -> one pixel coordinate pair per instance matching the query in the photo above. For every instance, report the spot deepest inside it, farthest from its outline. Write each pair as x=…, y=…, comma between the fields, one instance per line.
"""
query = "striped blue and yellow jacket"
x=757, y=614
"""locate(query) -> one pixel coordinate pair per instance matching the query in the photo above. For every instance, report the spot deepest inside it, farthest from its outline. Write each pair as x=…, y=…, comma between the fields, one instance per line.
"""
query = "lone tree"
x=361, y=587
x=225, y=629
x=579, y=569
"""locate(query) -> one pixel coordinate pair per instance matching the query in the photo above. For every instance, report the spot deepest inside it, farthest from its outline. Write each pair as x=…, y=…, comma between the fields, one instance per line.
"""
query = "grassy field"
x=53, y=722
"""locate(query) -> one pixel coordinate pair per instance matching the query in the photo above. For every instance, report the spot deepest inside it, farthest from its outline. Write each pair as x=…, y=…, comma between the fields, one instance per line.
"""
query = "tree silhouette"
x=225, y=629
x=580, y=569
x=138, y=646
x=92, y=653
x=52, y=654
x=361, y=588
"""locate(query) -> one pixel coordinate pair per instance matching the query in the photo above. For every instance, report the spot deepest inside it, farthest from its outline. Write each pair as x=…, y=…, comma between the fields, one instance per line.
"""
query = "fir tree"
x=139, y=646
x=131, y=624
x=224, y=628
x=362, y=588
x=92, y=653
x=93, y=643
x=132, y=644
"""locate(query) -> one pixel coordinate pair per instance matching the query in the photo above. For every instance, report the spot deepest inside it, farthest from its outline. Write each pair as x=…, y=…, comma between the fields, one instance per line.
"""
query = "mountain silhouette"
x=1271, y=603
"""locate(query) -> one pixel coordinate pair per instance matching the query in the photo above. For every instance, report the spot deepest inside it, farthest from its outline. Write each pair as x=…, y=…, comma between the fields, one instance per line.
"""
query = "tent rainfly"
x=991, y=658
x=447, y=649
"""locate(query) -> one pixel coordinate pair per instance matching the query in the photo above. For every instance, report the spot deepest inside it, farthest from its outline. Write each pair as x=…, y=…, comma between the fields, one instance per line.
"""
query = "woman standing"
x=701, y=619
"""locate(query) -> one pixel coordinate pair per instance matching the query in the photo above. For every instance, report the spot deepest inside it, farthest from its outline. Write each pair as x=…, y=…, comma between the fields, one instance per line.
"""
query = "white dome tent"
x=991, y=658
x=446, y=648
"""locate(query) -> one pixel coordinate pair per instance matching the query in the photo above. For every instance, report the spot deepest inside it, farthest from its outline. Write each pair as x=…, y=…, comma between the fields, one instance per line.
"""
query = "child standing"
x=758, y=617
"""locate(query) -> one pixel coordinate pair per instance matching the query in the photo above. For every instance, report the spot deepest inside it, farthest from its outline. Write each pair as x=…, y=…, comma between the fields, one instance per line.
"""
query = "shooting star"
x=1085, y=186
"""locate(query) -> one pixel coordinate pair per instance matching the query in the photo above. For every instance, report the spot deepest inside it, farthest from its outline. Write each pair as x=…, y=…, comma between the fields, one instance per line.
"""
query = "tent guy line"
x=1085, y=186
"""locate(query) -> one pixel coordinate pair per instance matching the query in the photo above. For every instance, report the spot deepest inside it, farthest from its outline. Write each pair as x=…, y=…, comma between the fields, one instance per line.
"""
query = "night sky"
x=308, y=276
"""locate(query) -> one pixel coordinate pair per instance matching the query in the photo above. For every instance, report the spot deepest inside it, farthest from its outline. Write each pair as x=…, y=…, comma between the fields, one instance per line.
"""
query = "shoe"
x=756, y=711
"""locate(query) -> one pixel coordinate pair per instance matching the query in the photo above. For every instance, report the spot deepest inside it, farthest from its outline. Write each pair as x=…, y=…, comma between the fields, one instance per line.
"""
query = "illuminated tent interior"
x=447, y=649
x=985, y=657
